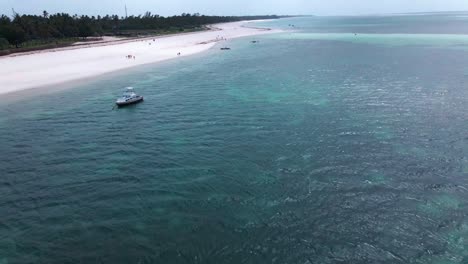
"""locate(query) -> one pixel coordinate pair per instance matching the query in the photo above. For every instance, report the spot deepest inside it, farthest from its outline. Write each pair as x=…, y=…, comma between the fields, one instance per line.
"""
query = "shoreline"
x=37, y=71
x=106, y=43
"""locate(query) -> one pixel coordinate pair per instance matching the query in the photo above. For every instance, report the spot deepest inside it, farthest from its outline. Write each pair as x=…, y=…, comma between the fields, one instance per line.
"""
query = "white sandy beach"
x=46, y=68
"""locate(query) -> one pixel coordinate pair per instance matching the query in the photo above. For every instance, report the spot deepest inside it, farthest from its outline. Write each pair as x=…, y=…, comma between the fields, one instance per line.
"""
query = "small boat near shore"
x=129, y=97
x=225, y=48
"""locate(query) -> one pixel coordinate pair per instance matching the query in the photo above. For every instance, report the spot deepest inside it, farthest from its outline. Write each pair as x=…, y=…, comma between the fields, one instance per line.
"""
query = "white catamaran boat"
x=129, y=97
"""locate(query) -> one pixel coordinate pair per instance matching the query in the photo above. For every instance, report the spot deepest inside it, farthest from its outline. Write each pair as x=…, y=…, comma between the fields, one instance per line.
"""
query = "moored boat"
x=129, y=97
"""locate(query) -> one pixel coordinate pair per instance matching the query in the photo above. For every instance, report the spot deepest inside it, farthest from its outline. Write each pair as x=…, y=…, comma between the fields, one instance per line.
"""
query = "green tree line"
x=53, y=27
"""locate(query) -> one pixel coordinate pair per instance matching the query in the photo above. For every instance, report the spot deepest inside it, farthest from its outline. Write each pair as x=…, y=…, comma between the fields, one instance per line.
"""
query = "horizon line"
x=253, y=15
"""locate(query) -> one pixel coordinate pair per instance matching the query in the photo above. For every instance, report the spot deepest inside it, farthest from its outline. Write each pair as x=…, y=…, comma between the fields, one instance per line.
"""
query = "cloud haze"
x=238, y=7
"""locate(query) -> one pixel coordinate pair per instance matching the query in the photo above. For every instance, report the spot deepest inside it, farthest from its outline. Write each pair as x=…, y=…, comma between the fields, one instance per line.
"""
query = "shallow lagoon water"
x=292, y=150
x=428, y=40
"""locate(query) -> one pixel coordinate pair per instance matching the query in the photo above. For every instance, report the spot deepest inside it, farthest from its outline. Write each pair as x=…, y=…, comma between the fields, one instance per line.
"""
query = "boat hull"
x=132, y=102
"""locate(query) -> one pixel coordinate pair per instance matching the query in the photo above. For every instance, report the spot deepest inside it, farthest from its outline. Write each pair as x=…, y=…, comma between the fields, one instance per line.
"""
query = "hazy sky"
x=233, y=7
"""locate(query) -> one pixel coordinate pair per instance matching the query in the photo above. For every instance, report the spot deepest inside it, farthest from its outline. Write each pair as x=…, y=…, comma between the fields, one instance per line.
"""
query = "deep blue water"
x=312, y=146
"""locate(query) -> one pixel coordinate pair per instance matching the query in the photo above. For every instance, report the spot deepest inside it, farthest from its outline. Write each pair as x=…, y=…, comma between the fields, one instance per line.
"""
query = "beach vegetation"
x=4, y=43
x=47, y=30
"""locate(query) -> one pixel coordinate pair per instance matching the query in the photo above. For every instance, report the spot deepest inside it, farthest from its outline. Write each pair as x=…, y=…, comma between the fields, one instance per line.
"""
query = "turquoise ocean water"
x=344, y=140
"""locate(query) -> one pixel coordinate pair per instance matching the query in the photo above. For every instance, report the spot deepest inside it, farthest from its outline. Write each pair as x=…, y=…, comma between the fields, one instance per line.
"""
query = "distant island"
x=32, y=32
